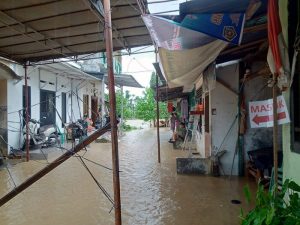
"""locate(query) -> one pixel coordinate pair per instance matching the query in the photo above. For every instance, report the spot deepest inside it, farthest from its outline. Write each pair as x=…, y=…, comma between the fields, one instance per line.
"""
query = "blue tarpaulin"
x=194, y=40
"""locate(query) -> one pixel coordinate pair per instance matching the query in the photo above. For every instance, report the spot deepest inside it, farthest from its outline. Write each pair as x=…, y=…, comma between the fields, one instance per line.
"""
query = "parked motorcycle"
x=44, y=136
x=77, y=129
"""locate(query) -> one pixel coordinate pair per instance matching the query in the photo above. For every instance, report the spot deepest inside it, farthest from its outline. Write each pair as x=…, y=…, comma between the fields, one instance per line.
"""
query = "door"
x=207, y=126
x=47, y=107
x=86, y=105
x=24, y=103
x=94, y=105
x=63, y=108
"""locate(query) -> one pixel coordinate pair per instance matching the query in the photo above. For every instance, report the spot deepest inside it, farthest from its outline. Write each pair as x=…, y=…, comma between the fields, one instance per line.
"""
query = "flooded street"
x=151, y=193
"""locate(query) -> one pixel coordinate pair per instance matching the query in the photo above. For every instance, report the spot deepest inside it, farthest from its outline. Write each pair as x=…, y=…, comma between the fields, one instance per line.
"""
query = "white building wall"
x=224, y=104
x=60, y=84
x=15, y=103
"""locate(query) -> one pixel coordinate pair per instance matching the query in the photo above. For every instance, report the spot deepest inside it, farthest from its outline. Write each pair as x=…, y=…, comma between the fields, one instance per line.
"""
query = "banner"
x=223, y=26
x=261, y=113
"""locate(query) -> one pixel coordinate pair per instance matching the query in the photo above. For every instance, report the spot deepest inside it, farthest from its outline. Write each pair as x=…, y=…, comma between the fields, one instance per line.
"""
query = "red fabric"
x=274, y=29
x=170, y=107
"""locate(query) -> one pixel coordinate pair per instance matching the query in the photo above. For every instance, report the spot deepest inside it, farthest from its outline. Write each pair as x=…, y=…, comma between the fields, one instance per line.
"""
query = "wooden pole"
x=102, y=102
x=53, y=165
x=157, y=118
x=112, y=104
x=157, y=114
x=122, y=111
x=275, y=131
x=27, y=114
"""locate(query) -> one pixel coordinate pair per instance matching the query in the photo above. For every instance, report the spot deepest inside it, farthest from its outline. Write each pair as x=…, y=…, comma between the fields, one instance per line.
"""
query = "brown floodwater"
x=151, y=193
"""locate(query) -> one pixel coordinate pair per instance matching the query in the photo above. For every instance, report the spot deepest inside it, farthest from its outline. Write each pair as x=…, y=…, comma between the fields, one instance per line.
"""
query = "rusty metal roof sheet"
x=34, y=30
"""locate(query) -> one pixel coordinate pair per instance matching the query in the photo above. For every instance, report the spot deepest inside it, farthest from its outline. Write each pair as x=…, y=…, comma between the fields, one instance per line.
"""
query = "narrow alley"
x=151, y=193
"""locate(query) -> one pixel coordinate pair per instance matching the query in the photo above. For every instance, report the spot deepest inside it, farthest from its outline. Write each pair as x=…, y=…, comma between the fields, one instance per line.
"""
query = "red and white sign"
x=261, y=113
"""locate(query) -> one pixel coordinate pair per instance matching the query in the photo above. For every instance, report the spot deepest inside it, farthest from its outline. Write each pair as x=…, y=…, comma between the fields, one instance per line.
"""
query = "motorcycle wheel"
x=52, y=140
x=31, y=143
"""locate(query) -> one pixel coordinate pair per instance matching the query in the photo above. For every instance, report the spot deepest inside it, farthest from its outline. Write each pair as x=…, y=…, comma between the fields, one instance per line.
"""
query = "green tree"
x=146, y=107
x=127, y=104
x=153, y=81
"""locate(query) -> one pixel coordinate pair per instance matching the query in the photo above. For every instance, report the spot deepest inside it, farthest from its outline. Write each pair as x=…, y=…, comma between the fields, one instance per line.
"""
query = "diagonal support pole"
x=31, y=180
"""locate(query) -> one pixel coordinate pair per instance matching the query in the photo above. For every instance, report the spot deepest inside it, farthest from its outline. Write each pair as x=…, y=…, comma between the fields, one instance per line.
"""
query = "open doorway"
x=24, y=103
x=63, y=108
x=207, y=126
x=86, y=105
x=94, y=106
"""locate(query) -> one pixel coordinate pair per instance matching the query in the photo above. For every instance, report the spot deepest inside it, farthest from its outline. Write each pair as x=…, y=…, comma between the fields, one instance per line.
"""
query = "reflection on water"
x=151, y=193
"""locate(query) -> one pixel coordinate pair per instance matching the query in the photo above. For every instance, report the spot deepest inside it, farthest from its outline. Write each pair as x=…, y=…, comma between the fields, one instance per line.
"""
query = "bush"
x=127, y=127
x=274, y=208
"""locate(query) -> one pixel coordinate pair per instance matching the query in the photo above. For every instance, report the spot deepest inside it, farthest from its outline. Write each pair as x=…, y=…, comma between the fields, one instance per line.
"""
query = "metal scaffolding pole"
x=27, y=114
x=122, y=111
x=102, y=102
x=157, y=118
x=112, y=104
x=157, y=115
x=275, y=131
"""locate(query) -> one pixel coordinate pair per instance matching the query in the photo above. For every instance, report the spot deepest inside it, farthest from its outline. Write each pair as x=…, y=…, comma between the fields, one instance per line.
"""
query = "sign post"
x=261, y=113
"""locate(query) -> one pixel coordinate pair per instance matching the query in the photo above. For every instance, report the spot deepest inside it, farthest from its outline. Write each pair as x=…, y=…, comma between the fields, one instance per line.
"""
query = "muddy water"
x=151, y=193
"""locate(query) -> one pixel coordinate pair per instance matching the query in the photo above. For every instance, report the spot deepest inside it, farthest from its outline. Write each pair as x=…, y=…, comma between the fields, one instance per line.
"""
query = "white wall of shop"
x=224, y=104
x=51, y=82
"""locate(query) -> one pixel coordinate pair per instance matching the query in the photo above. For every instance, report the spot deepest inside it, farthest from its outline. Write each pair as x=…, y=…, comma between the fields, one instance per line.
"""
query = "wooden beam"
x=238, y=48
x=51, y=166
x=256, y=28
x=227, y=86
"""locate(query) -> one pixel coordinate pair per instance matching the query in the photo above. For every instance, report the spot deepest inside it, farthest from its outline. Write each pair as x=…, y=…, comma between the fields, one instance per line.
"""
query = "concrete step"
x=193, y=165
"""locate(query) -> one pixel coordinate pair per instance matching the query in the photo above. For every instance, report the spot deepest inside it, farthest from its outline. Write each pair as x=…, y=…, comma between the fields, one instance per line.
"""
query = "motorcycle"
x=77, y=129
x=44, y=136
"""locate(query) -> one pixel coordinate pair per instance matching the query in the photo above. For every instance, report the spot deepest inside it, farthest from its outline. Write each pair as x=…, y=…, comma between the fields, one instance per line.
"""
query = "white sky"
x=140, y=65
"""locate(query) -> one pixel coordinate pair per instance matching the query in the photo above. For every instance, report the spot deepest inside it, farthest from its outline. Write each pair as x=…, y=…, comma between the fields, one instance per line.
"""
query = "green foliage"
x=146, y=107
x=143, y=107
x=127, y=127
x=128, y=104
x=272, y=208
x=153, y=81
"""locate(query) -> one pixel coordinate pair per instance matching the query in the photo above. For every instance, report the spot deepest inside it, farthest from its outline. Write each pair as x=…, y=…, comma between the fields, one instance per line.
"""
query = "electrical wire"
x=89, y=160
x=6, y=166
x=106, y=194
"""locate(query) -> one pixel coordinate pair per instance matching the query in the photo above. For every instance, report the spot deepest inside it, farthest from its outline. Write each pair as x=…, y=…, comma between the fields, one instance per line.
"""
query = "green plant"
x=127, y=127
x=274, y=208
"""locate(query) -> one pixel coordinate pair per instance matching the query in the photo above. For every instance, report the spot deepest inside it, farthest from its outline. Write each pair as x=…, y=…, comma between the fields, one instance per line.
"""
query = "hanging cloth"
x=170, y=107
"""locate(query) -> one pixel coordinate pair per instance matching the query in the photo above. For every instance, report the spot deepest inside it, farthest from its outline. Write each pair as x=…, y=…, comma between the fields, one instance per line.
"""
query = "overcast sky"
x=140, y=65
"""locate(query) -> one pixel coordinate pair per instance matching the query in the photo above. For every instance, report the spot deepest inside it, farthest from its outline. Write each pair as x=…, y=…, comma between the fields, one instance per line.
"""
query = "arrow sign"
x=261, y=113
x=263, y=119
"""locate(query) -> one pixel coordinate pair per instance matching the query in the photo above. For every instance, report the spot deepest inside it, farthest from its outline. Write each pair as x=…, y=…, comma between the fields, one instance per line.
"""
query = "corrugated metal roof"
x=34, y=30
x=124, y=80
x=65, y=69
